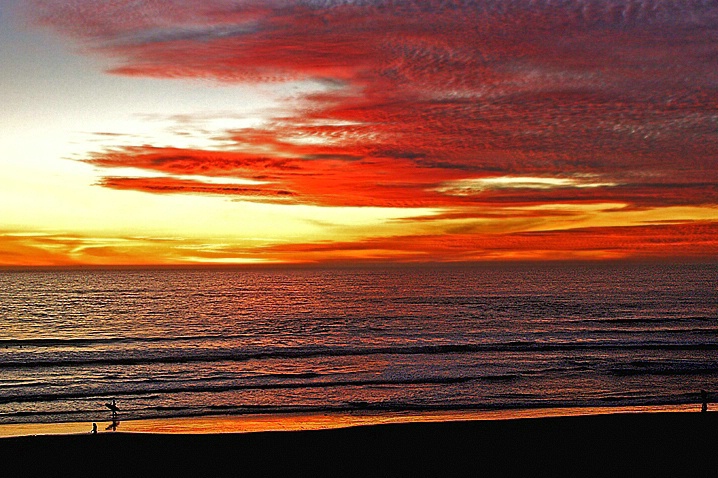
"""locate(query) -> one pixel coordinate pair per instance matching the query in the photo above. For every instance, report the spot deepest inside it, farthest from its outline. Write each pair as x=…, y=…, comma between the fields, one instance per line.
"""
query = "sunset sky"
x=250, y=131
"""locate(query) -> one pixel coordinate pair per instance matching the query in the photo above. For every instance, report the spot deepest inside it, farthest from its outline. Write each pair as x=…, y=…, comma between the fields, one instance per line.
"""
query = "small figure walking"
x=704, y=399
x=94, y=428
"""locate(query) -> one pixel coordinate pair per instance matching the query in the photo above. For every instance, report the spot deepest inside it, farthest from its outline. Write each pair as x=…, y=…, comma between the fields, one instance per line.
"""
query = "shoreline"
x=611, y=444
x=253, y=423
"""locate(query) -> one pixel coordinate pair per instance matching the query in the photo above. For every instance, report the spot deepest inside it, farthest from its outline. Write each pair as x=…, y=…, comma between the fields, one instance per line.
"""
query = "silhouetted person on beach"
x=94, y=428
x=704, y=399
x=113, y=407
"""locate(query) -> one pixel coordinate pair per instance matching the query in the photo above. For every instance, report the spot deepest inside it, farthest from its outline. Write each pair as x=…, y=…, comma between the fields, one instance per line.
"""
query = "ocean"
x=195, y=342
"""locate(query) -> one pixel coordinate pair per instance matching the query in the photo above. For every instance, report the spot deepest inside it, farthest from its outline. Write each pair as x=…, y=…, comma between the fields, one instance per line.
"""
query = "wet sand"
x=620, y=444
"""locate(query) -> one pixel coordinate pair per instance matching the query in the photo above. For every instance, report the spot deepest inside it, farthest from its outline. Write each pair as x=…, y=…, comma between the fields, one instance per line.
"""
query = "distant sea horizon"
x=363, y=264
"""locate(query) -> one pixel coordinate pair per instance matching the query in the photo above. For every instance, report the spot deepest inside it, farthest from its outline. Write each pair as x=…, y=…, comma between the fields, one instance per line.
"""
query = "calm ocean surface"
x=197, y=342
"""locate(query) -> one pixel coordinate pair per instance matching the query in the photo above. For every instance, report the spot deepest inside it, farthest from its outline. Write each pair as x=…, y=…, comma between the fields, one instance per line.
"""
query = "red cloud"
x=173, y=185
x=419, y=94
x=587, y=86
x=482, y=88
x=330, y=179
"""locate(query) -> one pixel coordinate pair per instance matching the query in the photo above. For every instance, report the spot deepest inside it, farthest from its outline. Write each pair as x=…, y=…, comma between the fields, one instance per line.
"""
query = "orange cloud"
x=686, y=241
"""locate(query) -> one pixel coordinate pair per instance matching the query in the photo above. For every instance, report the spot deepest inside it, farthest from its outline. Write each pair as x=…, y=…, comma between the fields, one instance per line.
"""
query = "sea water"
x=192, y=342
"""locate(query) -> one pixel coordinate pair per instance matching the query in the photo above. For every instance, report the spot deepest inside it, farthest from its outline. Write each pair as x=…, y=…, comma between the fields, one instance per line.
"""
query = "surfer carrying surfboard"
x=113, y=408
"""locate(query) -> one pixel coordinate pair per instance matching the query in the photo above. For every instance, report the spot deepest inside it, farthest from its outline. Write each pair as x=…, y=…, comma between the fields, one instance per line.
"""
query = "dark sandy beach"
x=627, y=444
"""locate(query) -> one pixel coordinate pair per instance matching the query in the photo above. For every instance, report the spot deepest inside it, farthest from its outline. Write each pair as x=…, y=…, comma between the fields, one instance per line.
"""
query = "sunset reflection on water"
x=298, y=422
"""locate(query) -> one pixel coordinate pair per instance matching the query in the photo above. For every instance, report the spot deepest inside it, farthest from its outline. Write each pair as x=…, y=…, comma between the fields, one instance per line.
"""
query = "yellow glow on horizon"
x=236, y=242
